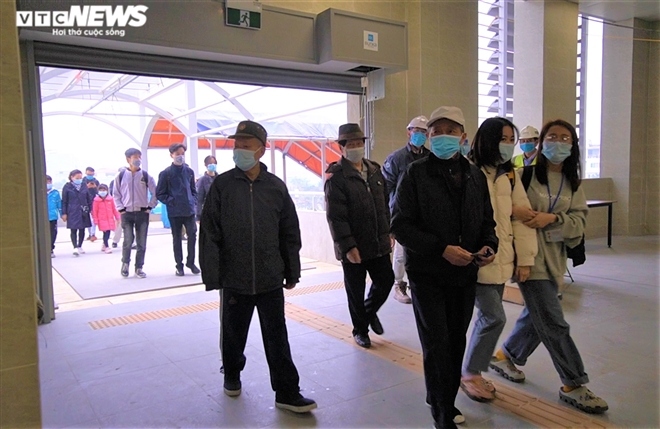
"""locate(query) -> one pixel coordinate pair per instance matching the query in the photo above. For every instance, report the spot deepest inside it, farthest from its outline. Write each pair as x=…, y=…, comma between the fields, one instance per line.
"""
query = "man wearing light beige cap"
x=443, y=218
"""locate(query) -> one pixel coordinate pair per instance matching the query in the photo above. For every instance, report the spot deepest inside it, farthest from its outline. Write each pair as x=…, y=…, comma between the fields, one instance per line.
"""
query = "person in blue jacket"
x=176, y=189
x=76, y=208
x=54, y=211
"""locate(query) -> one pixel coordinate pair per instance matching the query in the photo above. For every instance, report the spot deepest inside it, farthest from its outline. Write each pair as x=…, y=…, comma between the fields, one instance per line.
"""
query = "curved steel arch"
x=136, y=100
x=72, y=113
x=232, y=100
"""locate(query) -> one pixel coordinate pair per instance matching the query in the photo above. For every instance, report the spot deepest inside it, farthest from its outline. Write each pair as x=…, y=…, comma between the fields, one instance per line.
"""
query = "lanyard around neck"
x=552, y=204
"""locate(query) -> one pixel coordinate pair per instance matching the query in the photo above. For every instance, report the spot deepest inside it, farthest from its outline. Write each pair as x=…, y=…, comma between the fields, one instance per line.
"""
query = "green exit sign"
x=243, y=18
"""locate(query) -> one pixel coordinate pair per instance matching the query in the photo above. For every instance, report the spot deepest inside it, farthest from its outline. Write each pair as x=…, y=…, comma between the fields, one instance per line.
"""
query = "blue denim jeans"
x=136, y=227
x=487, y=328
x=542, y=321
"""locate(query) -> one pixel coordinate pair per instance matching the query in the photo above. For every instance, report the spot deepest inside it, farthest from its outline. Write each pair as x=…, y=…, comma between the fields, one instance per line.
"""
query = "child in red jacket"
x=105, y=215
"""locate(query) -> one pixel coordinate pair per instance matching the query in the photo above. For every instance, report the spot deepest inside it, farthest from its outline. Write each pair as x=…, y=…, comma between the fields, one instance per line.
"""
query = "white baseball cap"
x=418, y=122
x=529, y=132
x=447, y=112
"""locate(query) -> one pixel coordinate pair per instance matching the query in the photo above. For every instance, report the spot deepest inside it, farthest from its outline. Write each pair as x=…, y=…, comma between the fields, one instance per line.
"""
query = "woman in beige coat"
x=492, y=150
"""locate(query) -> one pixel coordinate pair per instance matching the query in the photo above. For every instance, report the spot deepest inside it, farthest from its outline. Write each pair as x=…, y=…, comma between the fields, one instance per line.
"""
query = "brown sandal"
x=477, y=389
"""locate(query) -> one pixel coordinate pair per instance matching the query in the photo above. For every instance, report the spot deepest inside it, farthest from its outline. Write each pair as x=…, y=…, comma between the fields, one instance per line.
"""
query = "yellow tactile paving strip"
x=540, y=412
x=197, y=308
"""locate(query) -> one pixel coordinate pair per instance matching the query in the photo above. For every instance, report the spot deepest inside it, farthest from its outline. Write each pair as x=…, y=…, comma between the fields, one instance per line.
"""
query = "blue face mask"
x=506, y=151
x=465, y=148
x=90, y=177
x=49, y=186
x=103, y=194
x=244, y=159
x=528, y=147
x=212, y=168
x=445, y=146
x=418, y=139
x=77, y=181
x=556, y=152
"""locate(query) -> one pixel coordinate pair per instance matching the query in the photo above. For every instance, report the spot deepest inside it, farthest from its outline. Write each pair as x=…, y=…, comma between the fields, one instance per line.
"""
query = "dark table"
x=608, y=204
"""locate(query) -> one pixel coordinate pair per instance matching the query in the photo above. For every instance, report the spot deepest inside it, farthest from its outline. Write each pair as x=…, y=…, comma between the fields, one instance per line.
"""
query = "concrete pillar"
x=545, y=62
x=630, y=111
x=20, y=404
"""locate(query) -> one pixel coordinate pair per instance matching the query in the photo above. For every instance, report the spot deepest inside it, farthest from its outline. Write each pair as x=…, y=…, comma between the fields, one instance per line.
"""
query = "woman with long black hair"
x=559, y=214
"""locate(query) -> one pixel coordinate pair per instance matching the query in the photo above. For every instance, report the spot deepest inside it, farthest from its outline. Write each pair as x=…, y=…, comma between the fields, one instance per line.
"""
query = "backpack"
x=145, y=178
x=578, y=253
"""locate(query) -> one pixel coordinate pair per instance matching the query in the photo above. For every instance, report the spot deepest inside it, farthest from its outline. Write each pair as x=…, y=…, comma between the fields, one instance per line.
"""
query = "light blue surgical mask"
x=49, y=186
x=445, y=146
x=506, y=151
x=465, y=148
x=103, y=194
x=90, y=177
x=418, y=139
x=528, y=147
x=212, y=167
x=77, y=181
x=556, y=152
x=244, y=159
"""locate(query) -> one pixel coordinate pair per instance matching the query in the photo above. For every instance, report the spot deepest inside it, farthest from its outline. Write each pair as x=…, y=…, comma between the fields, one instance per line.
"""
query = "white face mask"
x=355, y=155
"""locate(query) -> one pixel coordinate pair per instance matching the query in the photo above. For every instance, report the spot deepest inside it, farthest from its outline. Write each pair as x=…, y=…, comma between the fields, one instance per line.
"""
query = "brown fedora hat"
x=349, y=132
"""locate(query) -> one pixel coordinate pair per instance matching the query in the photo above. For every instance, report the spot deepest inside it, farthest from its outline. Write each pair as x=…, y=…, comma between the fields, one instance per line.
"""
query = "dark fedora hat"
x=349, y=132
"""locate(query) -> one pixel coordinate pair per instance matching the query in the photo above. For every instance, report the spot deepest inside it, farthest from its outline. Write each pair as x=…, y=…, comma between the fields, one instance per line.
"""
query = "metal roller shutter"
x=56, y=55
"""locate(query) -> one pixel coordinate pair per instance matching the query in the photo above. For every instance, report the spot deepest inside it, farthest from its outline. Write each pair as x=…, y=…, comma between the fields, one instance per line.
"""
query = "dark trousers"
x=106, y=237
x=53, y=234
x=443, y=309
x=135, y=226
x=191, y=229
x=355, y=276
x=77, y=237
x=236, y=314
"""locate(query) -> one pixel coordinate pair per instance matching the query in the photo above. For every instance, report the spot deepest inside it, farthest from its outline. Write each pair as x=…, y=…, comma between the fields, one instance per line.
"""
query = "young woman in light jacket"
x=492, y=150
x=559, y=214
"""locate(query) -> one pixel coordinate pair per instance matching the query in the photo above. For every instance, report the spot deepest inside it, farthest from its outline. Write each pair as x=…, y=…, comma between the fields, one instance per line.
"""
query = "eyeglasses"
x=557, y=138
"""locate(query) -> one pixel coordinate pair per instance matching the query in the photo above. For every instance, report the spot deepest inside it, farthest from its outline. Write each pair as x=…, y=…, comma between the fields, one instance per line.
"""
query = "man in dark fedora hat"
x=359, y=218
x=249, y=250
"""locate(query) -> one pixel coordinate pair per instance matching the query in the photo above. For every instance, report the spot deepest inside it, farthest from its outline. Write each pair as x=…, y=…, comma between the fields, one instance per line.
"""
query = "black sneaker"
x=193, y=268
x=376, y=326
x=179, y=272
x=362, y=340
x=232, y=386
x=297, y=404
x=114, y=245
x=134, y=246
x=124, y=270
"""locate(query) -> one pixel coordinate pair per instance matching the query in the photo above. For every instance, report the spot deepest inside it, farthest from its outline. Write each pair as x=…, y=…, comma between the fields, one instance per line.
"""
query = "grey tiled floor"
x=164, y=373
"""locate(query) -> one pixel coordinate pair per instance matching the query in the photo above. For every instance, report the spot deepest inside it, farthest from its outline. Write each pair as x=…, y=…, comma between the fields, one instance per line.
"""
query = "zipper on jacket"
x=373, y=203
x=254, y=268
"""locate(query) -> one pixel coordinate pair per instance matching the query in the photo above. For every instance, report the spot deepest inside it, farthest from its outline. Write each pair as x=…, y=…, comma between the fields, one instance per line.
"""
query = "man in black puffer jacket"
x=249, y=249
x=443, y=218
x=358, y=215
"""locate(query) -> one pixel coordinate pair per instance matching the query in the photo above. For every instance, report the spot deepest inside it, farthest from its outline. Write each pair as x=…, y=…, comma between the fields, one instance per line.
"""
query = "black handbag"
x=578, y=253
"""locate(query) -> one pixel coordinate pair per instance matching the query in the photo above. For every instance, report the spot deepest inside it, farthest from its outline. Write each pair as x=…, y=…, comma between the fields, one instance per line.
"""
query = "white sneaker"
x=75, y=251
x=107, y=250
x=80, y=250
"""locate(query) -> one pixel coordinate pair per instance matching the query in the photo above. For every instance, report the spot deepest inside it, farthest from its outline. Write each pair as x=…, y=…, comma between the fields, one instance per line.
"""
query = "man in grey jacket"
x=131, y=194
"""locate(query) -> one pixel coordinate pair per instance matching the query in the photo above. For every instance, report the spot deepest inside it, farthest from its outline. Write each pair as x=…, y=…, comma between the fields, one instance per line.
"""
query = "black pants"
x=135, y=227
x=53, y=234
x=106, y=237
x=355, y=276
x=191, y=229
x=236, y=314
x=77, y=237
x=443, y=309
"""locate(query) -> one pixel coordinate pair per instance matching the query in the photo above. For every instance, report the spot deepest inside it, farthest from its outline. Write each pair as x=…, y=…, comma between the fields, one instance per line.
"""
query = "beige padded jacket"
x=515, y=238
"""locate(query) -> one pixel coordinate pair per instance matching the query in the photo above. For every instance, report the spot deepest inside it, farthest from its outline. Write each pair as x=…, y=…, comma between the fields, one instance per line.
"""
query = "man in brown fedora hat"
x=359, y=218
x=250, y=250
